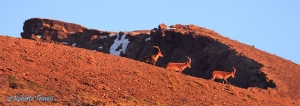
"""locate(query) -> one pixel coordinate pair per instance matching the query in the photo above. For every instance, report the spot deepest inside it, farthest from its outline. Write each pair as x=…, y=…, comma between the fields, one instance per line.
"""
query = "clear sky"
x=269, y=25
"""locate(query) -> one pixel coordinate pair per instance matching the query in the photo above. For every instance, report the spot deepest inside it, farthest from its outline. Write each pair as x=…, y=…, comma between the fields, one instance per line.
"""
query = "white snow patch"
x=38, y=36
x=111, y=35
x=102, y=37
x=147, y=39
x=169, y=28
x=100, y=47
x=74, y=44
x=65, y=43
x=124, y=42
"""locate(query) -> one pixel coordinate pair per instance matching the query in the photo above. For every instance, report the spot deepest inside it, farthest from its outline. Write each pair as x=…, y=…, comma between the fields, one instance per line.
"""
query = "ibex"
x=179, y=66
x=223, y=75
x=154, y=57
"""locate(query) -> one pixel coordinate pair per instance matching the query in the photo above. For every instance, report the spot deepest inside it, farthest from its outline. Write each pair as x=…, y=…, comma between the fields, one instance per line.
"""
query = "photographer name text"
x=20, y=98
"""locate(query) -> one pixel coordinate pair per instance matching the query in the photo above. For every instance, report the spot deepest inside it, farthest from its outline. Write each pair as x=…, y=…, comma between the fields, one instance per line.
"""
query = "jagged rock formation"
x=209, y=50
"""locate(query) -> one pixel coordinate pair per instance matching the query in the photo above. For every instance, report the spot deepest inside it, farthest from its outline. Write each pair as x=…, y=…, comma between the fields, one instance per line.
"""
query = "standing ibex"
x=223, y=75
x=179, y=66
x=154, y=57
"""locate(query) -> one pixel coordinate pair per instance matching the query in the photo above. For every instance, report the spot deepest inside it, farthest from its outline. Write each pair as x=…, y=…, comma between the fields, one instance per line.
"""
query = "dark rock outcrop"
x=206, y=47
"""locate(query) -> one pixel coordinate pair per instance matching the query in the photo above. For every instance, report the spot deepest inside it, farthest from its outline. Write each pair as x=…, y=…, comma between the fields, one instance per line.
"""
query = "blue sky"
x=269, y=25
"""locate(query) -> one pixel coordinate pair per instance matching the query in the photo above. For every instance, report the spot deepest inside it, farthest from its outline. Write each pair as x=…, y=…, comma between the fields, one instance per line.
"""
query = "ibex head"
x=189, y=62
x=233, y=73
x=159, y=52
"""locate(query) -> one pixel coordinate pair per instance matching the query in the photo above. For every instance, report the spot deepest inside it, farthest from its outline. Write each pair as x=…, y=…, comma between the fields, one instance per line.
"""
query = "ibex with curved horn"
x=223, y=75
x=154, y=57
x=179, y=66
